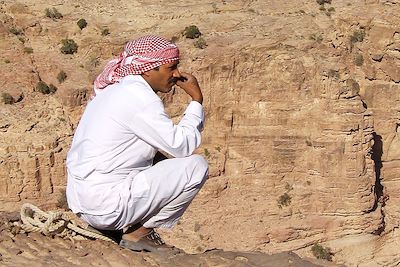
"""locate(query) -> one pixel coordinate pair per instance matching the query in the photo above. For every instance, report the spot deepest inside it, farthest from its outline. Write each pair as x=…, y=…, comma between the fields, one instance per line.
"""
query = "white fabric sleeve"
x=154, y=126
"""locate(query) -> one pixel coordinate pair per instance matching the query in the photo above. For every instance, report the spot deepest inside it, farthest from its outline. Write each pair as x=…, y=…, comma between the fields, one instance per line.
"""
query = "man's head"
x=153, y=57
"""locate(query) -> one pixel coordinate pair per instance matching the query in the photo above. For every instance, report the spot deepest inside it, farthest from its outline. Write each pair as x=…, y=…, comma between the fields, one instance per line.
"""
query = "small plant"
x=206, y=153
x=53, y=13
x=359, y=60
x=322, y=8
x=321, y=253
x=61, y=76
x=7, y=61
x=218, y=148
x=21, y=39
x=316, y=37
x=354, y=86
x=357, y=36
x=44, y=88
x=7, y=98
x=28, y=50
x=322, y=2
x=15, y=31
x=288, y=187
x=284, y=200
x=333, y=74
x=191, y=32
x=68, y=46
x=82, y=23
x=200, y=43
x=331, y=9
x=105, y=32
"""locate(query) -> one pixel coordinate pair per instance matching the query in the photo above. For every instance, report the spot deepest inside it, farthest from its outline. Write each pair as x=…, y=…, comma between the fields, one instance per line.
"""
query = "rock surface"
x=36, y=250
x=303, y=115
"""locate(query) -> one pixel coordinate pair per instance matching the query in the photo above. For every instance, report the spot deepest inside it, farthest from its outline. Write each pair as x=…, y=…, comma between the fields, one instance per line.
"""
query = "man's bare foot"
x=135, y=232
x=139, y=238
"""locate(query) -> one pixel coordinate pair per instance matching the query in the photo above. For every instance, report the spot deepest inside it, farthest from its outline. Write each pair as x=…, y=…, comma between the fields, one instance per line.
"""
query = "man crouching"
x=112, y=182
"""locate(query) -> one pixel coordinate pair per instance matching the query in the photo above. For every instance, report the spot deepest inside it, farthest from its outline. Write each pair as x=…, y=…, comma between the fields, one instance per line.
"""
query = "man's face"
x=163, y=79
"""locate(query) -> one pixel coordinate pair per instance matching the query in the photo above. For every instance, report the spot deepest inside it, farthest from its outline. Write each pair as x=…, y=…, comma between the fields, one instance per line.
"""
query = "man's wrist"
x=198, y=99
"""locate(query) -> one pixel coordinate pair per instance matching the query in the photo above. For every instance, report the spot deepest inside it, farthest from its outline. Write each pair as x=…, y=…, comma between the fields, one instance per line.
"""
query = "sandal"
x=151, y=242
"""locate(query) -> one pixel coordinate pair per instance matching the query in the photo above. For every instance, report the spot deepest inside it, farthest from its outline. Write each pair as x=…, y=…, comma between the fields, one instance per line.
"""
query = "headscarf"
x=139, y=56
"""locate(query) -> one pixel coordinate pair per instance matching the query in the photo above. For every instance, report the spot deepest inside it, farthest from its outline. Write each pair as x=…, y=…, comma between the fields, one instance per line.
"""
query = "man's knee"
x=200, y=163
x=200, y=167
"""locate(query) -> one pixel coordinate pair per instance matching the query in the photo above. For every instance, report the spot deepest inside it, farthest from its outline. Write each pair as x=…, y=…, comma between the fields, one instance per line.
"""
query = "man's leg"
x=172, y=183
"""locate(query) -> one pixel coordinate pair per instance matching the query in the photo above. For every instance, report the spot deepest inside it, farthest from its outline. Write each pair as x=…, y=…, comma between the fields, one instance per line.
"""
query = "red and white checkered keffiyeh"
x=139, y=56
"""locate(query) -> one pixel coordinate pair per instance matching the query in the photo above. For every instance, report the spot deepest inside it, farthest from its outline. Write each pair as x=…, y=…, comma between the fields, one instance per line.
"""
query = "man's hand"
x=189, y=83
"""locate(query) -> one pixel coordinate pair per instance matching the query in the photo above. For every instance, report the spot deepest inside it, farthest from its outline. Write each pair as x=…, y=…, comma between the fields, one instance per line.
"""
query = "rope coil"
x=54, y=224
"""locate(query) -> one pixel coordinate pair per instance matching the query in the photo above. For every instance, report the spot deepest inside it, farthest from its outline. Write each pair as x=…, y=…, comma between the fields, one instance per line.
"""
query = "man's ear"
x=146, y=73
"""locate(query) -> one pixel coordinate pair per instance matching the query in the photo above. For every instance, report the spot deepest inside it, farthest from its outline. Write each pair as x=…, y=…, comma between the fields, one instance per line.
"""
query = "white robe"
x=116, y=140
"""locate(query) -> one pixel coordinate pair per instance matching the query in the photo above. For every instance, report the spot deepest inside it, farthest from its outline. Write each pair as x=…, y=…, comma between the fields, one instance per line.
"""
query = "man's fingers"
x=182, y=79
x=185, y=78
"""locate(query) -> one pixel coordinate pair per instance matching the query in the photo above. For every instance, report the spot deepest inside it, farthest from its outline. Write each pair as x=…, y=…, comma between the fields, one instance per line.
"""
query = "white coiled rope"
x=54, y=223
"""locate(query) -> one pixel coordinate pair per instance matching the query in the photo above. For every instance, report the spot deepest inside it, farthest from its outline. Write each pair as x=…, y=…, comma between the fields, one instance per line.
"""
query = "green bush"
x=28, y=50
x=200, y=43
x=321, y=253
x=61, y=76
x=206, y=153
x=321, y=2
x=357, y=36
x=68, y=46
x=7, y=98
x=191, y=32
x=284, y=200
x=15, y=31
x=359, y=60
x=44, y=88
x=333, y=74
x=354, y=86
x=105, y=32
x=53, y=13
x=82, y=23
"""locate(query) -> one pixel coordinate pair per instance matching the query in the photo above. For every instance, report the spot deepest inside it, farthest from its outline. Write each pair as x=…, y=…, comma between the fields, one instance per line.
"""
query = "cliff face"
x=303, y=115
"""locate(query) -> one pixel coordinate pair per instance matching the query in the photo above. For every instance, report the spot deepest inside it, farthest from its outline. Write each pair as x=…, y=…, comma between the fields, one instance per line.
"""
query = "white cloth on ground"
x=117, y=138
